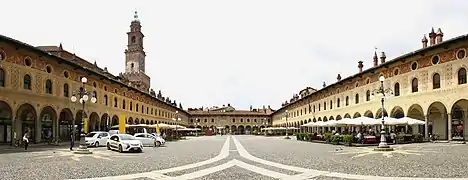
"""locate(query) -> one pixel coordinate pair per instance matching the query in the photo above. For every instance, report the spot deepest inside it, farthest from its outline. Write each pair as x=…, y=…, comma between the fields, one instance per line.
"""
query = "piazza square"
x=64, y=115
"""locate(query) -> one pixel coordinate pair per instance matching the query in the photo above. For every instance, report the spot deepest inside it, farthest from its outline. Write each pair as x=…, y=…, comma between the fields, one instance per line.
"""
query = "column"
x=449, y=126
x=426, y=127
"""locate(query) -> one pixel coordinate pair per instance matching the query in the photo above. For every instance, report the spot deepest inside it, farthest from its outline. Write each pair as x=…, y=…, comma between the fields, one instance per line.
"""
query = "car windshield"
x=90, y=134
x=126, y=137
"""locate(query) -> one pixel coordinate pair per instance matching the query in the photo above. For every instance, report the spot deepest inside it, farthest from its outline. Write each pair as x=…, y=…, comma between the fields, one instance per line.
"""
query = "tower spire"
x=135, y=16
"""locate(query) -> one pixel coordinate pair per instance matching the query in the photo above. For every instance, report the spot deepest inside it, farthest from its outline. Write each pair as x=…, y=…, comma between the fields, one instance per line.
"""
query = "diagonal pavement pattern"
x=239, y=157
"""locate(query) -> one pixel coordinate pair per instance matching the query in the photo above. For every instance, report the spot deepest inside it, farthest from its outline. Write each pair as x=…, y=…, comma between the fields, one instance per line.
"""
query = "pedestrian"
x=72, y=142
x=26, y=141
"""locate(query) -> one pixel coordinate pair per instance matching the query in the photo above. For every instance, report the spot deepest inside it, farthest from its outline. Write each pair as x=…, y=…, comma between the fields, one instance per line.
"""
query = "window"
x=310, y=109
x=414, y=85
x=105, y=100
x=123, y=104
x=27, y=61
x=396, y=89
x=461, y=54
x=66, y=90
x=131, y=106
x=207, y=120
x=368, y=95
x=233, y=120
x=65, y=74
x=324, y=105
x=357, y=98
x=462, y=76
x=331, y=104
x=115, y=102
x=414, y=66
x=49, y=69
x=396, y=72
x=436, y=81
x=248, y=120
x=147, y=110
x=2, y=77
x=133, y=39
x=319, y=106
x=338, y=102
x=142, y=109
x=314, y=108
x=27, y=82
x=347, y=101
x=435, y=59
x=137, y=106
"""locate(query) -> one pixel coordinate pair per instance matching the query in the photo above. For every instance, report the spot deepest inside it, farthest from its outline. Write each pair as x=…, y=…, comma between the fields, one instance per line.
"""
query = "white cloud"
x=239, y=52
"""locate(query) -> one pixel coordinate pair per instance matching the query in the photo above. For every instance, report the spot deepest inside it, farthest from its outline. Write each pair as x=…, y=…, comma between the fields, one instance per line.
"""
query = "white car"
x=149, y=139
x=124, y=143
x=97, y=138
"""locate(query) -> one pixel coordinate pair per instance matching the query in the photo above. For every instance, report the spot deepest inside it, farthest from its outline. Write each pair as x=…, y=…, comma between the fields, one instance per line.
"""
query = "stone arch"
x=347, y=115
x=147, y=121
x=129, y=120
x=26, y=117
x=338, y=117
x=6, y=119
x=458, y=113
x=378, y=114
x=48, y=121
x=65, y=128
x=105, y=120
x=233, y=129
x=93, y=122
x=226, y=129
x=356, y=115
x=397, y=112
x=331, y=118
x=325, y=119
x=369, y=113
x=415, y=110
x=310, y=120
x=137, y=121
x=437, y=119
x=115, y=120
x=241, y=129
x=248, y=129
x=319, y=119
x=314, y=120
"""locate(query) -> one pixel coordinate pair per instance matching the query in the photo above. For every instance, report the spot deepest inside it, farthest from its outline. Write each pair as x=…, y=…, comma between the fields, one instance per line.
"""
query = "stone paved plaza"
x=242, y=157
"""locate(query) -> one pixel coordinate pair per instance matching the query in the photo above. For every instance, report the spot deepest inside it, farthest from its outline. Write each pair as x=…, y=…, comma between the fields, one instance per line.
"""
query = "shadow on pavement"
x=7, y=149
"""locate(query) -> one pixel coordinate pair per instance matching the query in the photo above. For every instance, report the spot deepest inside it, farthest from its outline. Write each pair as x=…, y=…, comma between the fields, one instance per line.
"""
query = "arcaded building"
x=428, y=84
x=227, y=119
x=36, y=84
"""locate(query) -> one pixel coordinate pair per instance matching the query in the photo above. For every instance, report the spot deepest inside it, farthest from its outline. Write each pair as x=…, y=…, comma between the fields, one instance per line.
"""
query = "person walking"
x=26, y=141
x=72, y=142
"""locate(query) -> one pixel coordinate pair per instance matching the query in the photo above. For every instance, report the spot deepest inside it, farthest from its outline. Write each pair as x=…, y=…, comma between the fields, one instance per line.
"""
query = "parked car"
x=149, y=139
x=97, y=138
x=124, y=143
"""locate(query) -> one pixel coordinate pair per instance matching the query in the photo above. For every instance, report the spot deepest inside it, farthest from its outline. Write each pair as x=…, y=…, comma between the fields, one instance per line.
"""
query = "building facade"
x=36, y=84
x=227, y=119
x=429, y=84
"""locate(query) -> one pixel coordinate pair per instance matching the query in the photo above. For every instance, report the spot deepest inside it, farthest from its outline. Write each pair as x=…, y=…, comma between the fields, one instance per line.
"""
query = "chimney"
x=439, y=36
x=382, y=58
x=324, y=85
x=376, y=60
x=432, y=37
x=250, y=107
x=360, y=65
x=338, y=78
x=424, y=41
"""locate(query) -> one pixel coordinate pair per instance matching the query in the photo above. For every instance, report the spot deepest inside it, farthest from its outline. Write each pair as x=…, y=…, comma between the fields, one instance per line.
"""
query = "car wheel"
x=120, y=148
x=157, y=143
x=108, y=146
x=96, y=144
x=140, y=151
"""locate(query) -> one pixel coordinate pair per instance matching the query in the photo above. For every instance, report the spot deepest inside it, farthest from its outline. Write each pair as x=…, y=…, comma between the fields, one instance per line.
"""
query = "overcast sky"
x=243, y=52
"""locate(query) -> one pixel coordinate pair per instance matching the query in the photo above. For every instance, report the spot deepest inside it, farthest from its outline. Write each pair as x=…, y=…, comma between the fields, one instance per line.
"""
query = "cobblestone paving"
x=239, y=158
x=234, y=173
x=61, y=164
x=433, y=160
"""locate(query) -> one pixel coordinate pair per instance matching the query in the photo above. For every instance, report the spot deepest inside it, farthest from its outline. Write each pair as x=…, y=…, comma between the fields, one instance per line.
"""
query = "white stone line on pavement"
x=205, y=172
x=248, y=156
x=223, y=154
x=159, y=174
x=229, y=164
x=310, y=173
x=261, y=170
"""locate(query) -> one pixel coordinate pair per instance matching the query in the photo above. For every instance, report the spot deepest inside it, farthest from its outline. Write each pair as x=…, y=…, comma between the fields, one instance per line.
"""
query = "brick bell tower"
x=135, y=57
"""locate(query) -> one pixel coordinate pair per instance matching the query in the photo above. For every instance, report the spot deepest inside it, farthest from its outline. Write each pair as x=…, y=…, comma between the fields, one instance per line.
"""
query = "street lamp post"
x=177, y=119
x=83, y=96
x=287, y=136
x=383, y=146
